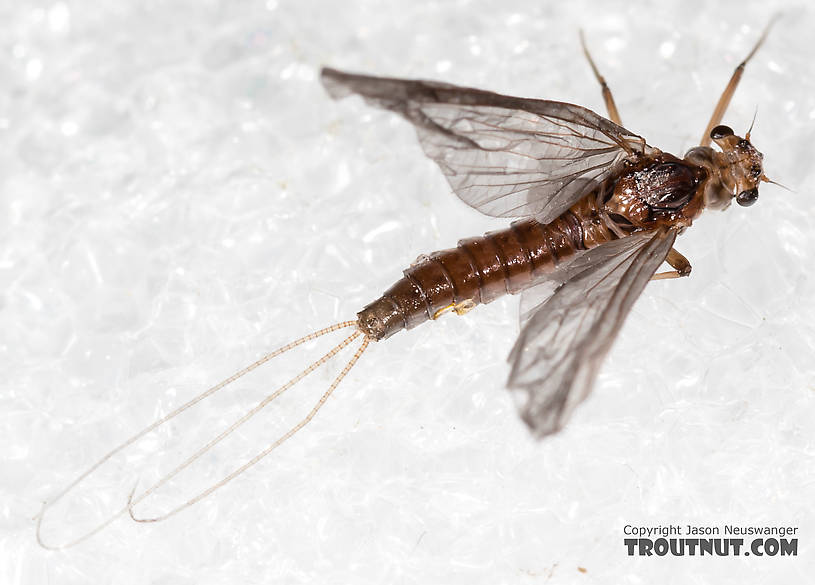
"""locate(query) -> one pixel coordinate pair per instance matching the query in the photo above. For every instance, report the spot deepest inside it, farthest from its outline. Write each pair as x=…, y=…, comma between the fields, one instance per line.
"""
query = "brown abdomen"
x=478, y=271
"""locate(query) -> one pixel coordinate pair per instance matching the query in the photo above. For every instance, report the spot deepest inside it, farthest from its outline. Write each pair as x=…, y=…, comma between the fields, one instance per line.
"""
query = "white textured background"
x=179, y=195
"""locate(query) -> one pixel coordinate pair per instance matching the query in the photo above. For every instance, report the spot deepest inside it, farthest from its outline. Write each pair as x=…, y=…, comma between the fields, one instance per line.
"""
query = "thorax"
x=656, y=191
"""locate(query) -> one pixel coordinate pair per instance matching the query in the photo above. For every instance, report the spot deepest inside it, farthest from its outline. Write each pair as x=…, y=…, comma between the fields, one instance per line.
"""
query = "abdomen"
x=482, y=269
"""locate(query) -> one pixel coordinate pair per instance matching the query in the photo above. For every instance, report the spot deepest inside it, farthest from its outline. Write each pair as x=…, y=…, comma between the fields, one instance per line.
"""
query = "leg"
x=728, y=92
x=610, y=105
x=678, y=262
x=460, y=308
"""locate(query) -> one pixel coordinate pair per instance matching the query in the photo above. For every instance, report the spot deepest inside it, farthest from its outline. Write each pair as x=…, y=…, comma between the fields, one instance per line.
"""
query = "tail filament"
x=134, y=499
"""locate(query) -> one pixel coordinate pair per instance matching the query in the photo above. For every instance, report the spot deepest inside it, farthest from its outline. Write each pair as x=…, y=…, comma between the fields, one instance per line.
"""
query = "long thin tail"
x=134, y=499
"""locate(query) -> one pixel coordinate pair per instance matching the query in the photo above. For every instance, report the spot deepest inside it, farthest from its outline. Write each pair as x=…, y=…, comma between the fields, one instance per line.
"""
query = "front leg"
x=680, y=264
x=727, y=94
x=613, y=114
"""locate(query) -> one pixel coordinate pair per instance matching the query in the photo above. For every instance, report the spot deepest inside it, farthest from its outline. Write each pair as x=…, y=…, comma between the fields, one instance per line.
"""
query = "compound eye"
x=721, y=132
x=747, y=198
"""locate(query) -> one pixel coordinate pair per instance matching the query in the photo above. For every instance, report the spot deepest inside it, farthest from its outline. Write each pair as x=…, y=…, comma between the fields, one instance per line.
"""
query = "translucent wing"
x=561, y=346
x=504, y=156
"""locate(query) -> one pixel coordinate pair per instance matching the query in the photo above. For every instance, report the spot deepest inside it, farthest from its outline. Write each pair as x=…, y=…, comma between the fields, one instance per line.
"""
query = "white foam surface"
x=179, y=196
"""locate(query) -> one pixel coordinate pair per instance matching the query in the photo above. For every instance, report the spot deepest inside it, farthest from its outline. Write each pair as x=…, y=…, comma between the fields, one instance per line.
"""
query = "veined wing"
x=559, y=351
x=502, y=155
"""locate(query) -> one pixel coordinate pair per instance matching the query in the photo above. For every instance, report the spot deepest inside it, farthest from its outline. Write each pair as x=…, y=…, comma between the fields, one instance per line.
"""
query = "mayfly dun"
x=596, y=209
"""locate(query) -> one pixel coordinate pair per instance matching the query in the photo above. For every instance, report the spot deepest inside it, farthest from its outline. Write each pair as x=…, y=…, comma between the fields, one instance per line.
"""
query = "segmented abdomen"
x=481, y=269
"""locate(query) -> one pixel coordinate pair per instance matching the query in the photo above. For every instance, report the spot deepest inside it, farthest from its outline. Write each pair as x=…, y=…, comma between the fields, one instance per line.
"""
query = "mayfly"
x=597, y=211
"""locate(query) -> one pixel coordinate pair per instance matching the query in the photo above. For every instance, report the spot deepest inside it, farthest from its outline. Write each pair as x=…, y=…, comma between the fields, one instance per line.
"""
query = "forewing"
x=559, y=351
x=504, y=156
